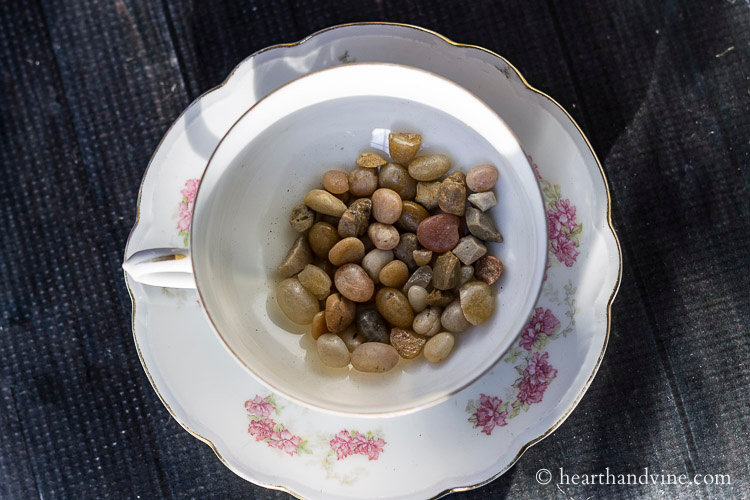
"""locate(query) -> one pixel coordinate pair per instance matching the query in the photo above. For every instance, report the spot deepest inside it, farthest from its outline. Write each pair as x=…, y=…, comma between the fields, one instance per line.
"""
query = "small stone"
x=299, y=305
x=446, y=272
x=340, y=312
x=347, y=250
x=439, y=347
x=403, y=147
x=316, y=281
x=296, y=258
x=427, y=194
x=354, y=283
x=430, y=167
x=336, y=181
x=370, y=160
x=483, y=201
x=421, y=277
x=394, y=274
x=439, y=233
x=477, y=301
x=488, y=269
x=394, y=307
x=302, y=218
x=383, y=236
x=452, y=194
x=374, y=261
x=407, y=343
x=371, y=326
x=453, y=318
x=422, y=257
x=404, y=251
x=322, y=237
x=332, y=351
x=441, y=298
x=467, y=272
x=412, y=214
x=319, y=325
x=469, y=250
x=396, y=177
x=386, y=206
x=363, y=181
x=417, y=298
x=351, y=338
x=481, y=178
x=374, y=357
x=355, y=220
x=325, y=203
x=428, y=321
x=481, y=225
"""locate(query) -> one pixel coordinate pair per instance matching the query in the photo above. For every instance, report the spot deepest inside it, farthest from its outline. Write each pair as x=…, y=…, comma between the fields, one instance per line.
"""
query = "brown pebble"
x=439, y=233
x=355, y=220
x=363, y=181
x=383, y=236
x=324, y=202
x=354, y=283
x=396, y=177
x=316, y=280
x=427, y=194
x=430, y=167
x=340, y=312
x=422, y=257
x=404, y=251
x=481, y=178
x=347, y=250
x=477, y=301
x=488, y=269
x=441, y=298
x=403, y=146
x=370, y=160
x=336, y=181
x=302, y=218
x=407, y=343
x=319, y=325
x=411, y=215
x=386, y=206
x=374, y=357
x=298, y=256
x=394, y=274
x=446, y=272
x=394, y=307
x=452, y=194
x=322, y=237
x=439, y=347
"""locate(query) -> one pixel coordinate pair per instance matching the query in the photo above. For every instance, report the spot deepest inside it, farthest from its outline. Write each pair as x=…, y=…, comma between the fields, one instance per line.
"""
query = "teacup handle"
x=165, y=267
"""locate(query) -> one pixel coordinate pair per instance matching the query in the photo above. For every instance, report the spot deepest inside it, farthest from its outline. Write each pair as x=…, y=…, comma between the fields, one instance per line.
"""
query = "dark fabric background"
x=662, y=88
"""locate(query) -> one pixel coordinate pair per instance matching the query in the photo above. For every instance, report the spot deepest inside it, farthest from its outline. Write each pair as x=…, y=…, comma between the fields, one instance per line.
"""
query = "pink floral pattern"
x=488, y=415
x=263, y=428
x=185, y=208
x=346, y=443
x=543, y=322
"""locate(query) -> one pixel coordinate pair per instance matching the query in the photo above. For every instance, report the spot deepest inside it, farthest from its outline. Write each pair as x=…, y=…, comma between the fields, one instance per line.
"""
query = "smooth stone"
x=322, y=237
x=422, y=257
x=481, y=225
x=452, y=194
x=421, y=277
x=332, y=351
x=336, y=182
x=427, y=194
x=482, y=178
x=453, y=318
x=446, y=272
x=467, y=273
x=302, y=218
x=428, y=321
x=299, y=305
x=319, y=326
x=407, y=343
x=374, y=261
x=351, y=338
x=417, y=298
x=363, y=181
x=483, y=201
x=386, y=205
x=439, y=347
x=430, y=167
x=370, y=160
x=403, y=146
x=441, y=298
x=439, y=233
x=404, y=251
x=355, y=220
x=371, y=326
x=298, y=256
x=316, y=281
x=354, y=283
x=412, y=214
x=374, y=357
x=394, y=307
x=396, y=177
x=383, y=236
x=488, y=269
x=394, y=274
x=347, y=250
x=469, y=250
x=340, y=312
x=324, y=202
x=477, y=301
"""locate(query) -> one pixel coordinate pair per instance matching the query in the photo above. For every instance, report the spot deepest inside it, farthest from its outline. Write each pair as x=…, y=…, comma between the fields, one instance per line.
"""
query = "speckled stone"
x=446, y=272
x=298, y=256
x=370, y=160
x=439, y=347
x=483, y=201
x=371, y=325
x=482, y=178
x=427, y=194
x=394, y=307
x=336, y=182
x=429, y=167
x=299, y=305
x=453, y=318
x=322, y=237
x=301, y=218
x=316, y=280
x=354, y=283
x=383, y=236
x=340, y=312
x=482, y=226
x=386, y=205
x=488, y=269
x=332, y=351
x=477, y=301
x=396, y=177
x=403, y=147
x=356, y=218
x=374, y=357
x=441, y=298
x=363, y=181
x=407, y=343
x=421, y=277
x=412, y=214
x=452, y=194
x=404, y=251
x=439, y=233
x=428, y=321
x=469, y=250
x=324, y=202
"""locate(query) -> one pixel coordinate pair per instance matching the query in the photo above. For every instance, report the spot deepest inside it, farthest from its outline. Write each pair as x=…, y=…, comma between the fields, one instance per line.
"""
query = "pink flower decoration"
x=285, y=441
x=190, y=189
x=185, y=206
x=534, y=167
x=261, y=429
x=530, y=393
x=370, y=447
x=259, y=407
x=539, y=370
x=565, y=250
x=342, y=445
x=543, y=321
x=488, y=416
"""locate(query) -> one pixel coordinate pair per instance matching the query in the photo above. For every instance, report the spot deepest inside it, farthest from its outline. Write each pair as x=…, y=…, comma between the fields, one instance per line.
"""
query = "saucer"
x=478, y=433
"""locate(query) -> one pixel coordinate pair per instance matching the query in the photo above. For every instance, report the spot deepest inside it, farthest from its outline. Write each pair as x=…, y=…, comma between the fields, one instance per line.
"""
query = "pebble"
x=427, y=194
x=412, y=214
x=483, y=201
x=302, y=218
x=354, y=283
x=428, y=321
x=355, y=220
x=371, y=326
x=383, y=236
x=422, y=257
x=326, y=266
x=396, y=177
x=421, y=277
x=439, y=347
x=394, y=307
x=404, y=251
x=394, y=274
x=370, y=160
x=328, y=219
x=446, y=272
x=386, y=205
x=407, y=343
x=363, y=181
x=441, y=298
x=324, y=202
x=439, y=233
x=332, y=351
x=481, y=225
x=417, y=298
x=467, y=272
x=374, y=357
x=403, y=147
x=351, y=338
x=299, y=305
x=374, y=261
x=319, y=325
x=489, y=269
x=453, y=318
x=298, y=256
x=469, y=250
x=347, y=250
x=322, y=237
x=340, y=313
x=316, y=281
x=430, y=167
x=336, y=182
x=481, y=178
x=452, y=194
x=477, y=301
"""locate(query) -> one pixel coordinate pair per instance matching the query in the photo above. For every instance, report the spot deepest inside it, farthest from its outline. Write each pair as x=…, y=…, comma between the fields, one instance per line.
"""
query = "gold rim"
x=528, y=86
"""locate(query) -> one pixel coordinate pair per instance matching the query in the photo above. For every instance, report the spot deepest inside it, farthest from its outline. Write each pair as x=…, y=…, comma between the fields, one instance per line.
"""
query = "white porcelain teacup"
x=275, y=153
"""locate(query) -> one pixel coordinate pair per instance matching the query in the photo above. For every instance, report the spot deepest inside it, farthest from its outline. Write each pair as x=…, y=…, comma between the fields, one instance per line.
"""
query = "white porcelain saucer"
x=478, y=433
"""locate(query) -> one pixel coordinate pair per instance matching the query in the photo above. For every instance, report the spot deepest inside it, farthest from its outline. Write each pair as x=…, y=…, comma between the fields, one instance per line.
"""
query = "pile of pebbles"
x=391, y=259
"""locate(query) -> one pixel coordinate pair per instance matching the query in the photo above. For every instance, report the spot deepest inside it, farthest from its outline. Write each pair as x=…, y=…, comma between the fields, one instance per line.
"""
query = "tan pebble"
x=394, y=307
x=394, y=274
x=299, y=305
x=446, y=272
x=407, y=343
x=427, y=194
x=354, y=283
x=396, y=177
x=404, y=251
x=336, y=181
x=482, y=178
x=374, y=357
x=441, y=298
x=347, y=250
x=332, y=351
x=467, y=273
x=412, y=214
x=430, y=167
x=452, y=194
x=403, y=146
x=383, y=236
x=477, y=301
x=325, y=203
x=302, y=218
x=319, y=325
x=370, y=160
x=355, y=220
x=363, y=181
x=469, y=249
x=488, y=269
x=439, y=347
x=417, y=298
x=351, y=338
x=386, y=206
x=453, y=318
x=322, y=237
x=340, y=312
x=422, y=257
x=428, y=321
x=298, y=256
x=374, y=261
x=316, y=280
x=439, y=233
